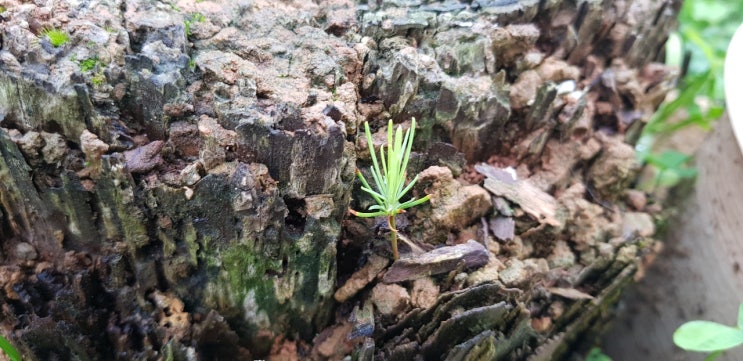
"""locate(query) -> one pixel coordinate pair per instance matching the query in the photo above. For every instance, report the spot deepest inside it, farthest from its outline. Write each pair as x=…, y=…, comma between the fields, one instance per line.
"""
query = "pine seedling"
x=389, y=179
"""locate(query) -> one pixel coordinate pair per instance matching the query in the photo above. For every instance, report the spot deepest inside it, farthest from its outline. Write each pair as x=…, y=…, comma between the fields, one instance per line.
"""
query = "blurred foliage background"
x=698, y=50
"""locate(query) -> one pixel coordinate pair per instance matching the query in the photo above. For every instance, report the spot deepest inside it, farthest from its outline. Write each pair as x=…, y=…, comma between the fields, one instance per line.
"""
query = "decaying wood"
x=530, y=198
x=361, y=278
x=186, y=197
x=441, y=260
x=503, y=228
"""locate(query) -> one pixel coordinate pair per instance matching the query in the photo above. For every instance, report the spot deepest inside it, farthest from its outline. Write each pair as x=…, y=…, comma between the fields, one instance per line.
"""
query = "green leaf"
x=692, y=87
x=687, y=172
x=712, y=12
x=9, y=350
x=668, y=160
x=369, y=214
x=365, y=187
x=707, y=336
x=671, y=169
x=668, y=178
x=415, y=202
x=596, y=355
x=375, y=165
x=714, y=112
x=740, y=316
x=674, y=50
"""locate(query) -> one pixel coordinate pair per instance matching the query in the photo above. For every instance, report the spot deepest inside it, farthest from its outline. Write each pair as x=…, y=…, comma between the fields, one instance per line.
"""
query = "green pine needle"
x=9, y=350
x=389, y=179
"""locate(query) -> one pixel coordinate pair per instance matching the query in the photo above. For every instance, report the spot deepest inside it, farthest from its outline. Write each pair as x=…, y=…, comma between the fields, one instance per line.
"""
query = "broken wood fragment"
x=532, y=200
x=569, y=293
x=503, y=228
x=440, y=260
x=361, y=278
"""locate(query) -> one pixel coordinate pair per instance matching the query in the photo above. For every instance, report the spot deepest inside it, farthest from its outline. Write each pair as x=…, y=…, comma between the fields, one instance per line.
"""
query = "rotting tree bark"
x=183, y=196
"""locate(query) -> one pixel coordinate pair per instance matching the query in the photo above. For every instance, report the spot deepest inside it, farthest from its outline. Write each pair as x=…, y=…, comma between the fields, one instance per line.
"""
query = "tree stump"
x=175, y=178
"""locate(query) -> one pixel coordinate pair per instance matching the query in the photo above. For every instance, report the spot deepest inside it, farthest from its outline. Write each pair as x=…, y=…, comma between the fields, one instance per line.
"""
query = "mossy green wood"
x=390, y=177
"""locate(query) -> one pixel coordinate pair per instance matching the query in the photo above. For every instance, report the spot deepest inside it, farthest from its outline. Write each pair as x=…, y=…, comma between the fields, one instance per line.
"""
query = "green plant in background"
x=89, y=64
x=173, y=6
x=9, y=350
x=698, y=48
x=672, y=167
x=597, y=355
x=708, y=336
x=98, y=79
x=56, y=37
x=192, y=19
x=390, y=178
x=94, y=65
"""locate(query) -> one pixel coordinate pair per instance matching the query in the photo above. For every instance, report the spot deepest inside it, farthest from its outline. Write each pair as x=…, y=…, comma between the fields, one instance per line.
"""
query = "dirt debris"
x=517, y=273
x=192, y=173
x=524, y=90
x=390, y=299
x=145, y=158
x=562, y=256
x=284, y=350
x=452, y=204
x=172, y=318
x=9, y=276
x=361, y=278
x=615, y=167
x=54, y=148
x=636, y=198
x=488, y=273
x=424, y=293
x=558, y=161
x=541, y=324
x=183, y=137
x=637, y=223
x=25, y=251
x=332, y=343
x=556, y=70
x=587, y=224
x=209, y=127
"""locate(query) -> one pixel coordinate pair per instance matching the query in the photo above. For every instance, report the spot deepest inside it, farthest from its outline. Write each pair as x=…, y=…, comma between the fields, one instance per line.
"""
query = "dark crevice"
x=581, y=16
x=297, y=217
x=659, y=14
